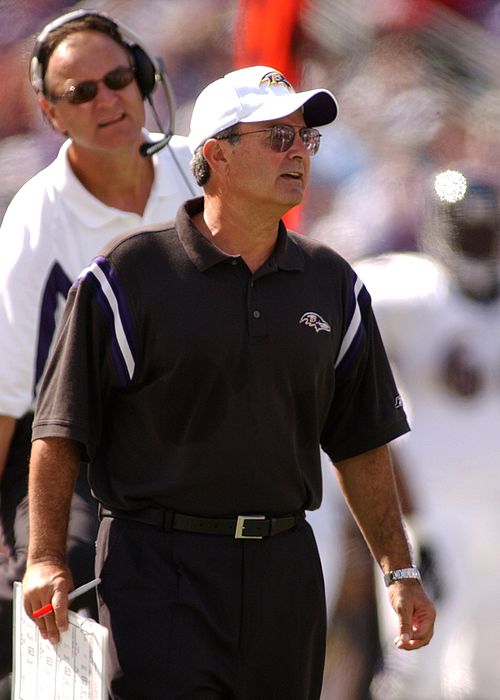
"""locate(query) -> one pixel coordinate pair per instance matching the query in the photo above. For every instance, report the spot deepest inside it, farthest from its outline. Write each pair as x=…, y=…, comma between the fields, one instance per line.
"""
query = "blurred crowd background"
x=417, y=82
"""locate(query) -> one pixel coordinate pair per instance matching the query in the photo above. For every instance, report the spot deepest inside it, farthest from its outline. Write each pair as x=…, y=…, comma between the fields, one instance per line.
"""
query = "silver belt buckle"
x=240, y=527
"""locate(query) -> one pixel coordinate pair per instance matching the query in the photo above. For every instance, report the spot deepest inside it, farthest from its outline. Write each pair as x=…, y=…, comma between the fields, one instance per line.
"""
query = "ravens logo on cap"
x=276, y=78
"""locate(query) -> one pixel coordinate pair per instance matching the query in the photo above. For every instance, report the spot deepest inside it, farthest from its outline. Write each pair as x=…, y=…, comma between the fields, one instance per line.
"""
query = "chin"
x=293, y=201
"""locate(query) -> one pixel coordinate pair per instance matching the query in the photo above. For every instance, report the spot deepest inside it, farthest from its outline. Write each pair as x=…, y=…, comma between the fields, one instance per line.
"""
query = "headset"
x=149, y=70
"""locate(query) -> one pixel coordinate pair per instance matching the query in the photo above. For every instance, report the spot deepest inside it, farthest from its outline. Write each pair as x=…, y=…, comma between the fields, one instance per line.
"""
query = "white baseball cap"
x=255, y=94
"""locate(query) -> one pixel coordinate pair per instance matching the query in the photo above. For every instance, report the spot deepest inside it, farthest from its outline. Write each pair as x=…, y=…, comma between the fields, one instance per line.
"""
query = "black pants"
x=14, y=525
x=206, y=616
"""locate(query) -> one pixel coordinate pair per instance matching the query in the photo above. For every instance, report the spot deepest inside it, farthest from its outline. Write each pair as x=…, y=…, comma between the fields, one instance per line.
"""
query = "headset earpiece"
x=145, y=71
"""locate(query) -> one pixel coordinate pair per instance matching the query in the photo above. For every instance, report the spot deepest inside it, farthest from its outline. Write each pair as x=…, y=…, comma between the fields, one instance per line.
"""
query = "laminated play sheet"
x=74, y=669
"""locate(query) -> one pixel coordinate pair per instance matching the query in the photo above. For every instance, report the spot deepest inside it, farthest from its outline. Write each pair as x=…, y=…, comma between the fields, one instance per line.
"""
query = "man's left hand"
x=416, y=614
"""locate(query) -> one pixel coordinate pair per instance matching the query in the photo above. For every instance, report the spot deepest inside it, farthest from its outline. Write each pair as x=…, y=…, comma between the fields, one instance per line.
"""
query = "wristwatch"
x=400, y=574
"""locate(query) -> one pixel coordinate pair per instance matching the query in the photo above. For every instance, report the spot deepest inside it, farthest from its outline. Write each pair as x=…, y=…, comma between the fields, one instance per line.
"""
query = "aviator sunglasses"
x=282, y=137
x=77, y=94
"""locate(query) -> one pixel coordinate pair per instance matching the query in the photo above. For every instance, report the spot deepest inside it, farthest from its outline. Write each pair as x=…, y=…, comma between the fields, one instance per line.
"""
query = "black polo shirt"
x=196, y=385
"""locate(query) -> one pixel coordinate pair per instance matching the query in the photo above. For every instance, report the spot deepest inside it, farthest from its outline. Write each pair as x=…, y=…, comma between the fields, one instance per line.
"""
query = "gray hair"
x=199, y=165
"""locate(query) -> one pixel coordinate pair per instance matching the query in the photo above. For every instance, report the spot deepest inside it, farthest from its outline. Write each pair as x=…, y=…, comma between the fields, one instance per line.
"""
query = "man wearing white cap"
x=199, y=370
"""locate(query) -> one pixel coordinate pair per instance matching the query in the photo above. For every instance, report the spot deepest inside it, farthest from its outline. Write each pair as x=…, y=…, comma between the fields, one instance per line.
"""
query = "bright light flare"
x=450, y=186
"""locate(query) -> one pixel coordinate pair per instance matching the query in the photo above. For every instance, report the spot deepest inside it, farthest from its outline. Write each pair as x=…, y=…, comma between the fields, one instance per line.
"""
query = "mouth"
x=293, y=175
x=110, y=122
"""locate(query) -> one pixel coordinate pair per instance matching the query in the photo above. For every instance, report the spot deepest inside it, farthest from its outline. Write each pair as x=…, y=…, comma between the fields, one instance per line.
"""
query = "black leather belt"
x=241, y=527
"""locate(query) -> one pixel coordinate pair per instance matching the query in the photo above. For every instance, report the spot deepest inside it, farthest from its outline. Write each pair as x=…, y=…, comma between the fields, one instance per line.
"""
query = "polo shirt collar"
x=84, y=206
x=287, y=255
x=200, y=251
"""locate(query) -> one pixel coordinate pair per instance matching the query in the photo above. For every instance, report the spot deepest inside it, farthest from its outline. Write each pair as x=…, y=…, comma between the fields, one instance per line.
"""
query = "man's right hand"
x=43, y=583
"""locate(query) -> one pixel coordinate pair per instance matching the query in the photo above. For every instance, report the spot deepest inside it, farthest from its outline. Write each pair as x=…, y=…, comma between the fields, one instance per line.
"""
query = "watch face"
x=401, y=574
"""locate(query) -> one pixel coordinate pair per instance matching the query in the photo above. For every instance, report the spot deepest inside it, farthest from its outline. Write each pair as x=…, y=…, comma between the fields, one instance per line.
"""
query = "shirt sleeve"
x=367, y=409
x=24, y=271
x=93, y=357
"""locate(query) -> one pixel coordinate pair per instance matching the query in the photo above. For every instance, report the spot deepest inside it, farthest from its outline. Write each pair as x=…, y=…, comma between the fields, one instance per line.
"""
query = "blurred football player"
x=439, y=313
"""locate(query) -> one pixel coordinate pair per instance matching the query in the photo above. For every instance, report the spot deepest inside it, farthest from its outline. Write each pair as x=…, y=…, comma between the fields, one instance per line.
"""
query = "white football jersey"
x=445, y=350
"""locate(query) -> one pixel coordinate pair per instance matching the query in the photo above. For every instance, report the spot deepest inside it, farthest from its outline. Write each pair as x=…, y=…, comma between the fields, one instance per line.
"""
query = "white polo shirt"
x=51, y=230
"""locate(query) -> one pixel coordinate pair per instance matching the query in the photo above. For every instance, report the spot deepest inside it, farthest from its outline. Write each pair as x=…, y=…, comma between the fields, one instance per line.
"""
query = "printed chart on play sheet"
x=72, y=670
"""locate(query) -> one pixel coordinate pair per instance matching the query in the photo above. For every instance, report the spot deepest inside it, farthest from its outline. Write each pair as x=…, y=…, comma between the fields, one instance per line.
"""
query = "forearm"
x=403, y=484
x=7, y=427
x=53, y=468
x=368, y=485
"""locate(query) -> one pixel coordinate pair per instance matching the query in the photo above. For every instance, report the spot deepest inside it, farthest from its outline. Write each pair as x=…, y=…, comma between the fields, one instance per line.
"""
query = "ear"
x=50, y=112
x=215, y=153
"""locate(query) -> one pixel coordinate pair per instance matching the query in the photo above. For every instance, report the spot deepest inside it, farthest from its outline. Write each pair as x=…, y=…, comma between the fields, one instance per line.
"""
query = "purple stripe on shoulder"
x=356, y=299
x=120, y=297
x=103, y=303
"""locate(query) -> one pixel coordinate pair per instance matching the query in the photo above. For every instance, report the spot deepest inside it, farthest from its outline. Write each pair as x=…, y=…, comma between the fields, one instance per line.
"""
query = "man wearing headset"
x=91, y=76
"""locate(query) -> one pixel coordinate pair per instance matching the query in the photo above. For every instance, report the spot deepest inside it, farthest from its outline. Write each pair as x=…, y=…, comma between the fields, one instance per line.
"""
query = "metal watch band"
x=401, y=574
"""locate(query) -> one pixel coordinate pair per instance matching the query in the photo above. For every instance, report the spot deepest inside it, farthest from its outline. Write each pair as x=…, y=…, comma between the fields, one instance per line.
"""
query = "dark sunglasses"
x=282, y=137
x=116, y=79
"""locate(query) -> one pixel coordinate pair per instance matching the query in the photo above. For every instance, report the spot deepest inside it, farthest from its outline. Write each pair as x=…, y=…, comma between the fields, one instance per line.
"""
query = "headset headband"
x=148, y=69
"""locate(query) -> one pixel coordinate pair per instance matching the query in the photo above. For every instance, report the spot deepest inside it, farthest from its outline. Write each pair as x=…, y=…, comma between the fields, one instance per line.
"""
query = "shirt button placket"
x=256, y=323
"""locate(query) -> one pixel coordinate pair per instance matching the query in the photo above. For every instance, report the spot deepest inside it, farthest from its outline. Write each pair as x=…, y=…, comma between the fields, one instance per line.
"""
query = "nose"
x=298, y=147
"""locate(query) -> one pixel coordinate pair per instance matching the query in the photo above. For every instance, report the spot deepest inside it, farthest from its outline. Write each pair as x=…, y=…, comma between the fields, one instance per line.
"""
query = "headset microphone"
x=151, y=147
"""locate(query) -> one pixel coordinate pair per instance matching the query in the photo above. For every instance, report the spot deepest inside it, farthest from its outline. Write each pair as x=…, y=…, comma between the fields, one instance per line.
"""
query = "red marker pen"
x=46, y=609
